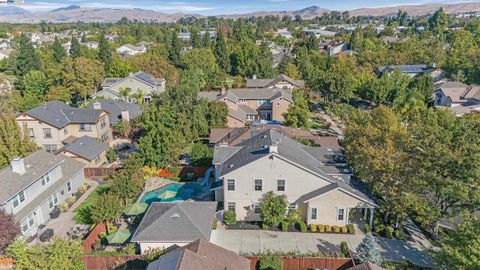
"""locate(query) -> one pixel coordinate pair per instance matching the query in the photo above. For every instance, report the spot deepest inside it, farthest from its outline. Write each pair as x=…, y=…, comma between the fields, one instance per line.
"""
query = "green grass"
x=82, y=215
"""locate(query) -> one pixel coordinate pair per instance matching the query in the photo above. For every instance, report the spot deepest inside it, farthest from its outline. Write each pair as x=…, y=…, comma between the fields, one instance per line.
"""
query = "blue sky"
x=215, y=7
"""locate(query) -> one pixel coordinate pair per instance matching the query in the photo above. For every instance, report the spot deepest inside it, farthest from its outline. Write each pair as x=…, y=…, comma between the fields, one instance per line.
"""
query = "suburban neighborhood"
x=302, y=139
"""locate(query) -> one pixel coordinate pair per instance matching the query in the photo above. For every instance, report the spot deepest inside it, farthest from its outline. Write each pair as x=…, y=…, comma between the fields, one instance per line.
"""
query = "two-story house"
x=315, y=180
x=281, y=81
x=135, y=84
x=34, y=185
x=56, y=124
x=252, y=104
x=457, y=97
x=129, y=49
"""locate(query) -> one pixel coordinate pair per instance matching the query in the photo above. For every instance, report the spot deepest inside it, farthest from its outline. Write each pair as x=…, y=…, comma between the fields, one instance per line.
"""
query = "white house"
x=5, y=53
x=315, y=179
x=34, y=185
x=129, y=49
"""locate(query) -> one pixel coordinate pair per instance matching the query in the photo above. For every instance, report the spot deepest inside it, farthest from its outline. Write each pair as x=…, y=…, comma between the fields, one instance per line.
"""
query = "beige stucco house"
x=252, y=104
x=88, y=150
x=315, y=180
x=55, y=124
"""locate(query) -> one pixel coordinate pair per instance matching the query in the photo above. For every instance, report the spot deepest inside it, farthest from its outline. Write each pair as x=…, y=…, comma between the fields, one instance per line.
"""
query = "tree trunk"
x=385, y=217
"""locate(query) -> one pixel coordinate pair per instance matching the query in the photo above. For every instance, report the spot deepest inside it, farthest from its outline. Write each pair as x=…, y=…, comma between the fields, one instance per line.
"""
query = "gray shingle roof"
x=236, y=94
x=264, y=83
x=407, y=68
x=176, y=222
x=86, y=147
x=36, y=165
x=114, y=109
x=59, y=115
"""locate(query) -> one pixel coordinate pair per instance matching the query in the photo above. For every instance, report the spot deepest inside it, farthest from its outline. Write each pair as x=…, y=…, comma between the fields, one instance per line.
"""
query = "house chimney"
x=126, y=116
x=224, y=91
x=97, y=105
x=254, y=76
x=18, y=166
x=273, y=148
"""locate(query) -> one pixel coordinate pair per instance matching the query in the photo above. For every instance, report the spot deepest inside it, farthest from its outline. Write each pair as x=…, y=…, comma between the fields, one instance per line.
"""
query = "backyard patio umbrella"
x=119, y=237
x=167, y=194
x=135, y=209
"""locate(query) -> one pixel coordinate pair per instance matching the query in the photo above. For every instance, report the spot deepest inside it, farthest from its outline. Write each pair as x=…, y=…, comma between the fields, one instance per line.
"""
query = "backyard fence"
x=93, y=237
x=131, y=262
x=7, y=263
x=95, y=173
x=301, y=263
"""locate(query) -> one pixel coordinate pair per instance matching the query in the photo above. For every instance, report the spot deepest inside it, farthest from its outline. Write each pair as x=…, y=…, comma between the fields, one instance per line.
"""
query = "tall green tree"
x=174, y=49
x=195, y=39
x=298, y=114
x=13, y=142
x=26, y=58
x=106, y=208
x=58, y=51
x=35, y=84
x=217, y=114
x=204, y=63
x=438, y=22
x=221, y=53
x=273, y=208
x=104, y=53
x=75, y=48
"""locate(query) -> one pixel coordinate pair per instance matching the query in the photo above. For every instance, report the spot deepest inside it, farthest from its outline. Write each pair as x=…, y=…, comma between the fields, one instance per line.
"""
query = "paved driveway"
x=247, y=242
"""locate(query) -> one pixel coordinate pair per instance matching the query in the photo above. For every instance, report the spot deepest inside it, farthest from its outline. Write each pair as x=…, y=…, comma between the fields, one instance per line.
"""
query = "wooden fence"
x=131, y=262
x=300, y=263
x=93, y=236
x=7, y=263
x=95, y=173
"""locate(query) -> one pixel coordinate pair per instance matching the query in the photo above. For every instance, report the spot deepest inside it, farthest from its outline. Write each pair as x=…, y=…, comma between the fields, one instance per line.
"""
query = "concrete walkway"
x=64, y=222
x=247, y=242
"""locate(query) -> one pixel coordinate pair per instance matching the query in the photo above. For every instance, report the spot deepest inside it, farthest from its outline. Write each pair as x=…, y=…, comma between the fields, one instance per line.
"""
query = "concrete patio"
x=255, y=241
x=64, y=222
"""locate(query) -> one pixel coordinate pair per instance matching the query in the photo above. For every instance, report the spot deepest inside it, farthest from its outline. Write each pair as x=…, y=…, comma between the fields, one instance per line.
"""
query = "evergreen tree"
x=221, y=53
x=298, y=114
x=174, y=49
x=74, y=48
x=369, y=250
x=438, y=22
x=206, y=40
x=26, y=58
x=104, y=53
x=13, y=142
x=58, y=51
x=195, y=39
x=34, y=84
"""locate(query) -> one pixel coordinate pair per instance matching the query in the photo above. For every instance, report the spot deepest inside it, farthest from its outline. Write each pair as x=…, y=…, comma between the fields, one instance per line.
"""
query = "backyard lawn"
x=82, y=215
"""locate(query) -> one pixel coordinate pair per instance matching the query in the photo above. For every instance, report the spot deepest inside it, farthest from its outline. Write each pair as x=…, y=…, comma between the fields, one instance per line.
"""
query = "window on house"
x=45, y=179
x=65, y=131
x=231, y=206
x=31, y=133
x=84, y=127
x=47, y=133
x=18, y=199
x=97, y=159
x=280, y=185
x=257, y=208
x=104, y=137
x=231, y=184
x=313, y=214
x=69, y=186
x=103, y=123
x=27, y=223
x=258, y=184
x=341, y=213
x=53, y=200
x=50, y=147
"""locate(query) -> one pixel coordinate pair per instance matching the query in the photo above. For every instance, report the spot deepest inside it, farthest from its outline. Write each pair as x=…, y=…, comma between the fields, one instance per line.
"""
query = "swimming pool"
x=172, y=192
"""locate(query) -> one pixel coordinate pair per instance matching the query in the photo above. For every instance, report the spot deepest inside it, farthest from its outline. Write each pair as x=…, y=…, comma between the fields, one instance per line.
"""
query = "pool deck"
x=156, y=183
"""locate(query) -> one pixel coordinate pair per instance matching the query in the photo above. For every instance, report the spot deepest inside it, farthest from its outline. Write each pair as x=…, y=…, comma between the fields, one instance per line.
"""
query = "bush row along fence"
x=301, y=263
x=93, y=237
x=110, y=262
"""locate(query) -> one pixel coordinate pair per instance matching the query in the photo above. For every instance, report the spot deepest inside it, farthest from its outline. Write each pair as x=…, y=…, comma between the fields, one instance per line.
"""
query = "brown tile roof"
x=200, y=254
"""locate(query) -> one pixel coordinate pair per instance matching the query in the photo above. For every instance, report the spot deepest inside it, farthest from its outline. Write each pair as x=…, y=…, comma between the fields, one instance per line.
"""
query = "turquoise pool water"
x=176, y=192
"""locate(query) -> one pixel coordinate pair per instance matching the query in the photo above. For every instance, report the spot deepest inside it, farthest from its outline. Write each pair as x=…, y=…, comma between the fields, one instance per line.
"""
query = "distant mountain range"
x=75, y=13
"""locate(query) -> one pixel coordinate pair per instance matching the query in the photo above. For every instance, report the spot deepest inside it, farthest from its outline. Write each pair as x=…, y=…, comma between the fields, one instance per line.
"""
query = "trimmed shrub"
x=379, y=228
x=284, y=226
x=389, y=232
x=63, y=206
x=70, y=200
x=265, y=227
x=336, y=229
x=302, y=226
x=215, y=223
x=398, y=234
x=313, y=228
x=344, y=250
x=270, y=262
x=367, y=228
x=344, y=229
x=321, y=228
x=229, y=217
x=328, y=228
x=351, y=229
